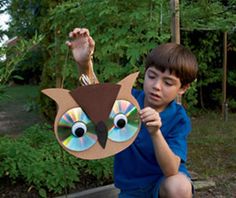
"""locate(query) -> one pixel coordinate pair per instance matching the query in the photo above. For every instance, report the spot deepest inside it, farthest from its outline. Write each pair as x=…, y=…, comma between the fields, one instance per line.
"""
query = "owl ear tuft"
x=128, y=81
x=61, y=96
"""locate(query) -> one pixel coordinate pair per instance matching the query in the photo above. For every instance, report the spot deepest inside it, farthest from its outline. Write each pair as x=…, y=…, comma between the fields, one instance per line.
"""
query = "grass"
x=19, y=93
x=212, y=149
x=26, y=95
x=19, y=109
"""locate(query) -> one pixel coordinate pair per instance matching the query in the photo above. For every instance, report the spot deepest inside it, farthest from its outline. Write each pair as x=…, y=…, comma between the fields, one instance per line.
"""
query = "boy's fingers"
x=154, y=123
x=76, y=31
x=73, y=34
x=150, y=119
x=146, y=109
x=84, y=31
x=79, y=31
x=91, y=41
x=68, y=43
x=149, y=116
x=146, y=112
x=70, y=34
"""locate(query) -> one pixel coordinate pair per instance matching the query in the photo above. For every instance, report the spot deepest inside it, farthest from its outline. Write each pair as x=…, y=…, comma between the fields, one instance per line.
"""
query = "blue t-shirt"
x=136, y=166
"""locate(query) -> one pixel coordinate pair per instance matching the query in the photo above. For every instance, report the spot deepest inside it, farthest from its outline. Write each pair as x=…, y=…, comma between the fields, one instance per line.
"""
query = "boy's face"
x=161, y=88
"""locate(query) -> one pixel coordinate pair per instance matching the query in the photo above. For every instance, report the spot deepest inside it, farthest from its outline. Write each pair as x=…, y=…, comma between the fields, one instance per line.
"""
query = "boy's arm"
x=168, y=161
x=82, y=46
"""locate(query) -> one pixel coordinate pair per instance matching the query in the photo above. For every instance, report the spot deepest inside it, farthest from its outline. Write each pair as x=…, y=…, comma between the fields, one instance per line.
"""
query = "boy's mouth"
x=155, y=96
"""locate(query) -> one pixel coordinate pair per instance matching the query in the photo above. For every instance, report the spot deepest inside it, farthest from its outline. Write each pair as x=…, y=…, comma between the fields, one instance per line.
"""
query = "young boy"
x=154, y=165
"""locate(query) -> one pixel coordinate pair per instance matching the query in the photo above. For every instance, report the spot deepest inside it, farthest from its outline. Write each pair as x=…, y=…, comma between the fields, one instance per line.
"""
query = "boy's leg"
x=176, y=186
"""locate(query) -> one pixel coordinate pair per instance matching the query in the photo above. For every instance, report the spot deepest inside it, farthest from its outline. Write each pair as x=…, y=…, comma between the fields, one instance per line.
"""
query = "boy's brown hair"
x=176, y=58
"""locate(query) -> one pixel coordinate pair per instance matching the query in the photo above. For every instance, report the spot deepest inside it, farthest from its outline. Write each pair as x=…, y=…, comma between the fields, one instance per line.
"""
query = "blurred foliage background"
x=124, y=33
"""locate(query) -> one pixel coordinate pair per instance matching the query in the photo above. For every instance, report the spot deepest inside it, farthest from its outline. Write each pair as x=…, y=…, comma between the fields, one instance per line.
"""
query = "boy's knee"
x=176, y=186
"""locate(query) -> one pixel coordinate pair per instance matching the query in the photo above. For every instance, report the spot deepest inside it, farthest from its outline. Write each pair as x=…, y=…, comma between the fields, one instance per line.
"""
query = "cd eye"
x=75, y=130
x=79, y=129
x=120, y=121
x=123, y=121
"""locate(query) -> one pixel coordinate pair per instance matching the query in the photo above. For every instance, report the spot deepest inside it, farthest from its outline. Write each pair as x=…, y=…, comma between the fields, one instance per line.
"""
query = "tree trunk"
x=175, y=30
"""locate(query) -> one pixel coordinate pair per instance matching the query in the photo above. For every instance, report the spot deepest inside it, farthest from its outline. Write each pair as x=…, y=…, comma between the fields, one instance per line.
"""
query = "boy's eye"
x=151, y=76
x=169, y=83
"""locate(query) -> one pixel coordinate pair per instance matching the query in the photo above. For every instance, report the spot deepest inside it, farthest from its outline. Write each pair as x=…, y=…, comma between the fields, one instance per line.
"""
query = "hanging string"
x=64, y=66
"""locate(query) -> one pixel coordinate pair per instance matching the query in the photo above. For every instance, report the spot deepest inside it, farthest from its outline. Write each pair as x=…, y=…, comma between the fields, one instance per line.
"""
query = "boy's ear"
x=183, y=89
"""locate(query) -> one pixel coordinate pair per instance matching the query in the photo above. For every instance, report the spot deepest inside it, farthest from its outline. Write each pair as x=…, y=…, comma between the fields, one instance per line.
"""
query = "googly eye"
x=120, y=120
x=79, y=129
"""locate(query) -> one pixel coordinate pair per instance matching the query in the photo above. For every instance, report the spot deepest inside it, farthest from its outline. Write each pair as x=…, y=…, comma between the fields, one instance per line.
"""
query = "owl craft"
x=96, y=121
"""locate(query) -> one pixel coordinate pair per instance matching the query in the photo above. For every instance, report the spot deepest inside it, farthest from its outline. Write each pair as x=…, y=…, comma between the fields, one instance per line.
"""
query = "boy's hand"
x=152, y=120
x=82, y=46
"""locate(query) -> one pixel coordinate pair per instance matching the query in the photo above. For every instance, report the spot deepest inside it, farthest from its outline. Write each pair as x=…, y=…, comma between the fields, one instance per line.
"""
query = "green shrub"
x=37, y=158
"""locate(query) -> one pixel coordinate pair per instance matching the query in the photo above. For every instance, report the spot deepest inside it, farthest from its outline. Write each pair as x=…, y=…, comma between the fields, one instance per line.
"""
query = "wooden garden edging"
x=110, y=191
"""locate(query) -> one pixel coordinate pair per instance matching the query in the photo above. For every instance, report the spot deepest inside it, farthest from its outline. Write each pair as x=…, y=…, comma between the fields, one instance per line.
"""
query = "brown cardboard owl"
x=96, y=121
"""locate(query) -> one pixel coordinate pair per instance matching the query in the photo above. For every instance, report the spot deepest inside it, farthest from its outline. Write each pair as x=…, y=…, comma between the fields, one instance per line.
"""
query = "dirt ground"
x=14, y=119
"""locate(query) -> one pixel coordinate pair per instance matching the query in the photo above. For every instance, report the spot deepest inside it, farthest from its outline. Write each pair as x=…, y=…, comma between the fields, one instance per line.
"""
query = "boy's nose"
x=157, y=85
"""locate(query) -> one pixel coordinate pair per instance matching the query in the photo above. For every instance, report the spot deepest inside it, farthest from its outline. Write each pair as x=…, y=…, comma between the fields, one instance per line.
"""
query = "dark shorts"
x=150, y=191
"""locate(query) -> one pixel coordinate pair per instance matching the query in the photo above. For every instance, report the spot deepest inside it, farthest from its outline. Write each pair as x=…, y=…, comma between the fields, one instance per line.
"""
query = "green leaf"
x=42, y=193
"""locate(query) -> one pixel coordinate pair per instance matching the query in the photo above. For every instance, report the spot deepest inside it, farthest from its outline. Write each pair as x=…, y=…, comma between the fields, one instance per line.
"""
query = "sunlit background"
x=3, y=25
